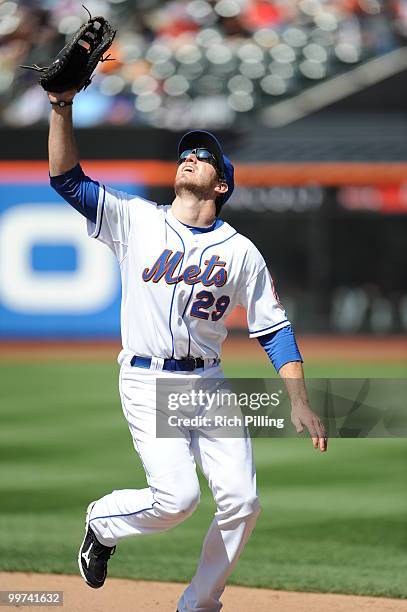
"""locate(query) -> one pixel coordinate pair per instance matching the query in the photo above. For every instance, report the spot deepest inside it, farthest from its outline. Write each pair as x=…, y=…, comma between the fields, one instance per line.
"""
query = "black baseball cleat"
x=93, y=556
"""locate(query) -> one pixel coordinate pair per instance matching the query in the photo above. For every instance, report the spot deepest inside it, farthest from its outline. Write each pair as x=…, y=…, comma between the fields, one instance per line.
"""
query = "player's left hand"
x=301, y=416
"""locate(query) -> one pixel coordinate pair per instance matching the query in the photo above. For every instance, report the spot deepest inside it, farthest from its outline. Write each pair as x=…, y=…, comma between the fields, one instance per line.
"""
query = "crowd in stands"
x=192, y=62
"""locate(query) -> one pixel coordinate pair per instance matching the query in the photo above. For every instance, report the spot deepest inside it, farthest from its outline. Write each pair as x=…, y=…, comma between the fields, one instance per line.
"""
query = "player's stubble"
x=193, y=182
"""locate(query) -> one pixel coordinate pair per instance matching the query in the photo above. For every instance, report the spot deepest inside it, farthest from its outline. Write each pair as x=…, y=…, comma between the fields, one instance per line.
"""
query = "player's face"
x=197, y=175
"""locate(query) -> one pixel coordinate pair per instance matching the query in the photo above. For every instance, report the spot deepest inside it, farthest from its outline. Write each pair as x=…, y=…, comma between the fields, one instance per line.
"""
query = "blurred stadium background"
x=309, y=98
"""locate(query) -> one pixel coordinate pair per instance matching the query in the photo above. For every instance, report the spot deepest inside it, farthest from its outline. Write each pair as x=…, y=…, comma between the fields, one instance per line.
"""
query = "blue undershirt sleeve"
x=78, y=190
x=281, y=347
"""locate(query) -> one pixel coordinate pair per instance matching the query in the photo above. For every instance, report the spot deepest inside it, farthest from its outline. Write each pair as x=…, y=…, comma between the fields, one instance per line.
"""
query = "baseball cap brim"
x=202, y=139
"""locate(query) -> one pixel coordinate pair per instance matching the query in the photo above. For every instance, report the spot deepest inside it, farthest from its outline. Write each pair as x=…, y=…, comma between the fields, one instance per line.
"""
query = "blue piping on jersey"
x=204, y=230
x=175, y=288
x=266, y=328
x=96, y=518
x=101, y=212
x=193, y=286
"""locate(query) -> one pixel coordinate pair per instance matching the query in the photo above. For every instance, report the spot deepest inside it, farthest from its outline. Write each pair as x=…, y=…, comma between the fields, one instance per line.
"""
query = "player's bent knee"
x=250, y=507
x=187, y=502
x=180, y=503
x=247, y=508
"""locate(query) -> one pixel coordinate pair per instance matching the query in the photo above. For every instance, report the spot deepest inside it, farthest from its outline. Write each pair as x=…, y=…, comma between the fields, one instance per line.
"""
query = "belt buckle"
x=195, y=362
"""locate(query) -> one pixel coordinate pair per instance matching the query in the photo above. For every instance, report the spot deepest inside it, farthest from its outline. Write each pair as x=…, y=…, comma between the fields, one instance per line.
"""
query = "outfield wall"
x=336, y=250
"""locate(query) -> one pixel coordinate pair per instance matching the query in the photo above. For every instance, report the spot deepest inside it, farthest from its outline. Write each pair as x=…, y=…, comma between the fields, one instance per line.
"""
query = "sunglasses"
x=201, y=154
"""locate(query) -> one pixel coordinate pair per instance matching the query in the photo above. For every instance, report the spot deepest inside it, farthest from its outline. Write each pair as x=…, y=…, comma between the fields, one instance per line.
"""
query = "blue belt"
x=182, y=365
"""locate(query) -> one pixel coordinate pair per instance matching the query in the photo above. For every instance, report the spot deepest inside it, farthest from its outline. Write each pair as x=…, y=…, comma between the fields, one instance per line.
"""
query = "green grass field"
x=334, y=522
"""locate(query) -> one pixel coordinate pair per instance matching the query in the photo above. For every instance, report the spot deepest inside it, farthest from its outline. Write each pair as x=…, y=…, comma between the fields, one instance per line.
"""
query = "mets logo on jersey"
x=212, y=274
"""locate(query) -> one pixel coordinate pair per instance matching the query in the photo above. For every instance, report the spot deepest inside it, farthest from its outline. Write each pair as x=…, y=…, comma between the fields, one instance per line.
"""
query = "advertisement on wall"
x=56, y=283
x=54, y=280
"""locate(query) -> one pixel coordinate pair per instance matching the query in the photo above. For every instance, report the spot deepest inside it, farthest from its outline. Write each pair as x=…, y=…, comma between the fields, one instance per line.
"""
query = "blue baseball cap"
x=205, y=140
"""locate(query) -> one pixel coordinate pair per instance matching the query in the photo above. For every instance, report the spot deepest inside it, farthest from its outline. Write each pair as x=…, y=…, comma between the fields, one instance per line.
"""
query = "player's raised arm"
x=109, y=221
x=66, y=174
x=62, y=151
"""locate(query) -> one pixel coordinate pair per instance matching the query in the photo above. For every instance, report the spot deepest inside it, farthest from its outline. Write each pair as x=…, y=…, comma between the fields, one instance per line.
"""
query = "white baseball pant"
x=173, y=491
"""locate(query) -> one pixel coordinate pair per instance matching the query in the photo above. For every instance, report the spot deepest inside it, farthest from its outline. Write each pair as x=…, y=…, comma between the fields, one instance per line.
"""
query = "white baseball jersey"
x=179, y=287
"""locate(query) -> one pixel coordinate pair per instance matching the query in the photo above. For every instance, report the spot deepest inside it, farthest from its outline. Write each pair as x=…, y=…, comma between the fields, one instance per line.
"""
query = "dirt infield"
x=348, y=348
x=122, y=595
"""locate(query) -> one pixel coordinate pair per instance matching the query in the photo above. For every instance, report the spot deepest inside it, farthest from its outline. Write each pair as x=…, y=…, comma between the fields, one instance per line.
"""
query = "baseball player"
x=183, y=270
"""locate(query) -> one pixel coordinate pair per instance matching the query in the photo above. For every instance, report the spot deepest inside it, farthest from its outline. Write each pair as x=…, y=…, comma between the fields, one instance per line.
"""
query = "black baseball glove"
x=75, y=63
